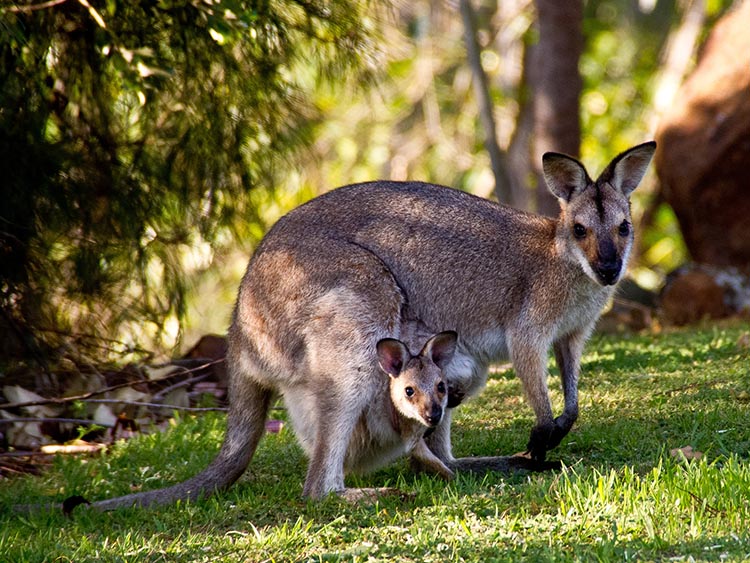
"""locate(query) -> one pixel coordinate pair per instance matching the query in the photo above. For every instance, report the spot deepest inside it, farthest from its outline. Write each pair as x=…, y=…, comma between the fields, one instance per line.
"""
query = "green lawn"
x=621, y=495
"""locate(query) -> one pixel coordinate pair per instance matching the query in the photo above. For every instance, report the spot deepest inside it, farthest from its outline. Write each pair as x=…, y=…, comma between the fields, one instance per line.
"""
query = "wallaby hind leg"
x=344, y=324
x=336, y=420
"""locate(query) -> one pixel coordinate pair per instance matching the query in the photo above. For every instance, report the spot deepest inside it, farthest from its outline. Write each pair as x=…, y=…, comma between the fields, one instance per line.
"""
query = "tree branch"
x=155, y=405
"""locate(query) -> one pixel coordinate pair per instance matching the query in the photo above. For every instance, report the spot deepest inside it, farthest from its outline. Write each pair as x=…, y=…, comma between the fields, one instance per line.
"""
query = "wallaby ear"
x=565, y=176
x=392, y=356
x=627, y=169
x=440, y=348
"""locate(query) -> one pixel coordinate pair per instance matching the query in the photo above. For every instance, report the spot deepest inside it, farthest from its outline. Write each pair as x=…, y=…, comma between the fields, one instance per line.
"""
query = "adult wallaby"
x=343, y=271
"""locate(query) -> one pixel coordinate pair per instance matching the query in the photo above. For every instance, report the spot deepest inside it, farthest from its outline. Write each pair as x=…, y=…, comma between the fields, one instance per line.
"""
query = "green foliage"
x=144, y=138
x=131, y=133
x=621, y=496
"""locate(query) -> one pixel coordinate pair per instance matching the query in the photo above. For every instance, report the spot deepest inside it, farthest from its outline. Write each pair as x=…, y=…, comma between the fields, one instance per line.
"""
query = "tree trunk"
x=521, y=169
x=484, y=100
x=556, y=85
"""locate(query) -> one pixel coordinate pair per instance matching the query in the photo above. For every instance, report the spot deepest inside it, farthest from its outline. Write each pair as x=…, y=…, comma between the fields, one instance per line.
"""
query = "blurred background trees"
x=132, y=135
x=146, y=145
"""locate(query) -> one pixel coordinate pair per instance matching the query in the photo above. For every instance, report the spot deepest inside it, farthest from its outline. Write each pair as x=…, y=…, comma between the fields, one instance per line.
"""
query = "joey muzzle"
x=433, y=415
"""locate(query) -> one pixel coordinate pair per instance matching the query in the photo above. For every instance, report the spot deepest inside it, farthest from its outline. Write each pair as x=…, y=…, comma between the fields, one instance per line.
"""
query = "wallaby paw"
x=524, y=461
x=546, y=437
x=561, y=428
x=537, y=446
x=447, y=474
x=456, y=396
x=368, y=495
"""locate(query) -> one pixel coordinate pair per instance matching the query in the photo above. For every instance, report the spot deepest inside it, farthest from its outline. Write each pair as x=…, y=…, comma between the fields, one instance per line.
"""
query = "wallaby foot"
x=423, y=466
x=502, y=464
x=368, y=495
x=429, y=462
x=546, y=437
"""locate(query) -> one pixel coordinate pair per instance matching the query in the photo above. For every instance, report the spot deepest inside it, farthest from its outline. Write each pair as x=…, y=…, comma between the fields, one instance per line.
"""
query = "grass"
x=620, y=497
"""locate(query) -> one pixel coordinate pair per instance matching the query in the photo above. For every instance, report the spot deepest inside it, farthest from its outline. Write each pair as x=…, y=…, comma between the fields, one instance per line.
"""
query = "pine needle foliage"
x=132, y=131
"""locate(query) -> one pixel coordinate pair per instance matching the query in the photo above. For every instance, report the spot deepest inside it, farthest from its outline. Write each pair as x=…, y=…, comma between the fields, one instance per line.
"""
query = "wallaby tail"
x=502, y=464
x=245, y=427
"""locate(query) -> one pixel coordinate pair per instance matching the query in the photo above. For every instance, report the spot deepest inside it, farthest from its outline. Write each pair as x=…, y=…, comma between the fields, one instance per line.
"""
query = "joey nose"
x=433, y=416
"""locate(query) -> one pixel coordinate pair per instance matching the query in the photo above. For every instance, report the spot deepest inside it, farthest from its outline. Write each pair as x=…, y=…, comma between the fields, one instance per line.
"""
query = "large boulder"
x=703, y=161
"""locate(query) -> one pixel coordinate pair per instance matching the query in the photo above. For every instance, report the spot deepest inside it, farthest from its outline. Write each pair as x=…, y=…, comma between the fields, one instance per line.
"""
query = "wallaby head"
x=595, y=223
x=418, y=387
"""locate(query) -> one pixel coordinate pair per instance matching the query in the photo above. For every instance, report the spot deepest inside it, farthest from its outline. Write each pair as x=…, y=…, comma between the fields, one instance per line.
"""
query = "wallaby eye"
x=624, y=229
x=579, y=231
x=409, y=391
x=441, y=387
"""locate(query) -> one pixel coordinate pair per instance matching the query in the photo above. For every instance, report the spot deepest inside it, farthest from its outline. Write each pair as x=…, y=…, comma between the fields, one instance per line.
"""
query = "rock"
x=625, y=315
x=698, y=292
x=704, y=148
x=211, y=349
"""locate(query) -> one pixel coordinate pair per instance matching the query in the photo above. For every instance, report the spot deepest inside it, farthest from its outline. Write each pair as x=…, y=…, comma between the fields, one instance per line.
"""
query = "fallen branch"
x=84, y=396
x=53, y=420
x=24, y=454
x=695, y=385
x=164, y=392
x=712, y=511
x=33, y=7
x=156, y=405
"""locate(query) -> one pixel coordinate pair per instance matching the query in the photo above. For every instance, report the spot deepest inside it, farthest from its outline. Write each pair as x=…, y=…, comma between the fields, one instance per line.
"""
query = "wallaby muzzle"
x=609, y=264
x=433, y=415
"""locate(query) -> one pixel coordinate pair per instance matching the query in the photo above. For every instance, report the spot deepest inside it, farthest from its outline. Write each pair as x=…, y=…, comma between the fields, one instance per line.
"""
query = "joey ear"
x=565, y=176
x=392, y=356
x=440, y=348
x=627, y=169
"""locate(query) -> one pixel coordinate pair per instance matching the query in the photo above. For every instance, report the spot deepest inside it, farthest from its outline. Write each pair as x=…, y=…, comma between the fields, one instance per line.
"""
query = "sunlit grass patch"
x=622, y=495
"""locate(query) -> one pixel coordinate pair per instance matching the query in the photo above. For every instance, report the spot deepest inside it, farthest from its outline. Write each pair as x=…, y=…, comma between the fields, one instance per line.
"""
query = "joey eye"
x=441, y=387
x=579, y=231
x=624, y=229
x=409, y=391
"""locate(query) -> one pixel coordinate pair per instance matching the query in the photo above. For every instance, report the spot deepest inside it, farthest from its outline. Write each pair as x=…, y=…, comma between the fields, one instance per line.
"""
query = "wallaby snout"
x=433, y=414
x=608, y=265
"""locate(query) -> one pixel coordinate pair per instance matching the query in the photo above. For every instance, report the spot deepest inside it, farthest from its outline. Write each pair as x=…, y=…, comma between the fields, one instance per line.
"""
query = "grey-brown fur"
x=416, y=400
x=345, y=270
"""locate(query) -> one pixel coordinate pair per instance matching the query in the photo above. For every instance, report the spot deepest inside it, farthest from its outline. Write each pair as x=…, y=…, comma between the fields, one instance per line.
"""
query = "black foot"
x=547, y=436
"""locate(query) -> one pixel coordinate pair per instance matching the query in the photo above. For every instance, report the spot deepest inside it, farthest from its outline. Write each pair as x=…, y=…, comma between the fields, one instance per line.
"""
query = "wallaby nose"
x=609, y=272
x=434, y=415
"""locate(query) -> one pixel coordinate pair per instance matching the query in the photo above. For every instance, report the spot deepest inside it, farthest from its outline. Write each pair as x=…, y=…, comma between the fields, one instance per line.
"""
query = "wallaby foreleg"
x=430, y=461
x=568, y=352
x=439, y=439
x=529, y=360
